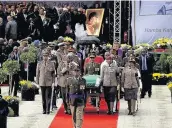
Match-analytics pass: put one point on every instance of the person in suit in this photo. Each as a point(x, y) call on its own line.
point(45, 77)
point(11, 29)
point(130, 83)
point(109, 77)
point(76, 97)
point(92, 68)
point(146, 62)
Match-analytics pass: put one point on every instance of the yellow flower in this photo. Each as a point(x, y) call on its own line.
point(169, 85)
point(26, 83)
point(169, 75)
point(23, 82)
point(156, 74)
point(9, 97)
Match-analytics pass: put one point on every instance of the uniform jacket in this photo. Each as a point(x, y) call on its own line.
point(45, 74)
point(60, 55)
point(75, 91)
point(64, 71)
point(109, 75)
point(129, 77)
point(92, 68)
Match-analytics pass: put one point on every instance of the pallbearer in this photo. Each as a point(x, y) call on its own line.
point(76, 97)
point(45, 77)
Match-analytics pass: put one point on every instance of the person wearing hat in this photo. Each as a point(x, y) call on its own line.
point(130, 84)
point(76, 97)
point(60, 52)
point(76, 59)
point(65, 70)
point(92, 68)
point(110, 79)
point(45, 77)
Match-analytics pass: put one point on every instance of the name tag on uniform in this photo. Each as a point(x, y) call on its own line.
point(97, 69)
point(82, 87)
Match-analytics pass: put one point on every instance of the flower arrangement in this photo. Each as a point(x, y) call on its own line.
point(157, 76)
point(125, 46)
point(8, 98)
point(26, 84)
point(162, 42)
point(68, 39)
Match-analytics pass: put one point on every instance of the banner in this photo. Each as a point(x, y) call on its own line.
point(151, 20)
point(94, 21)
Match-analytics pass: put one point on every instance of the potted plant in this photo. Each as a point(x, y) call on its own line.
point(13, 105)
point(3, 112)
point(11, 67)
point(3, 77)
point(27, 90)
point(28, 57)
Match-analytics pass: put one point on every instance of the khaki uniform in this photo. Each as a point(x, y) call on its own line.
point(130, 83)
point(60, 55)
point(92, 68)
point(65, 71)
point(45, 76)
point(119, 61)
point(76, 99)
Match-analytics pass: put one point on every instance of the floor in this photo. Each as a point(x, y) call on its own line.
point(154, 112)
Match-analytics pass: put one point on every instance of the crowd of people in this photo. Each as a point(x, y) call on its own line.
point(63, 65)
point(22, 20)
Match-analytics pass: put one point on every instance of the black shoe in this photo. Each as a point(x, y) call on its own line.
point(111, 112)
point(48, 112)
point(142, 96)
point(44, 112)
point(149, 95)
point(129, 113)
point(133, 113)
point(54, 106)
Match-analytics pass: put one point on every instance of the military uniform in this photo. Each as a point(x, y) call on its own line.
point(92, 67)
point(65, 70)
point(45, 77)
point(76, 99)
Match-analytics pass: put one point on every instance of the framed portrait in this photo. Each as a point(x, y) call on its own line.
point(94, 21)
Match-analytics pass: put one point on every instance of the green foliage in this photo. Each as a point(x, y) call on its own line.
point(3, 75)
point(33, 49)
point(11, 67)
point(29, 57)
point(169, 60)
point(163, 62)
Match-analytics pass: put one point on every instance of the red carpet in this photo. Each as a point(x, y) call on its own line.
point(91, 118)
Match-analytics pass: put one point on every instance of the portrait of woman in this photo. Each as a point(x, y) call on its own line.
point(94, 21)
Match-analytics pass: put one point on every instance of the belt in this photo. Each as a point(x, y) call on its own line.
point(76, 95)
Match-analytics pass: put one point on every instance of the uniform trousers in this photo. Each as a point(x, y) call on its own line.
point(63, 92)
point(147, 83)
point(46, 97)
point(77, 115)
